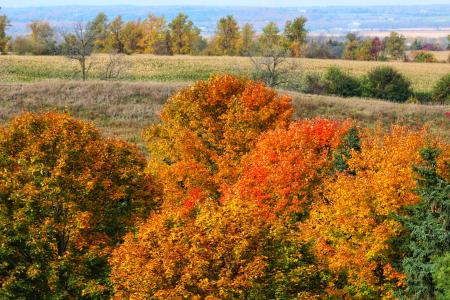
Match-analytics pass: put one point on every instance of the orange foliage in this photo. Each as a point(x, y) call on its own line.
point(287, 166)
point(225, 252)
point(352, 224)
point(205, 131)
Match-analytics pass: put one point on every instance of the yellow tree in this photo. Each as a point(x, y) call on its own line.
point(352, 223)
point(227, 36)
point(4, 39)
point(185, 37)
point(155, 36)
point(67, 196)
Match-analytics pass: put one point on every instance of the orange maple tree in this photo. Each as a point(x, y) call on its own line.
point(288, 165)
point(352, 224)
point(205, 131)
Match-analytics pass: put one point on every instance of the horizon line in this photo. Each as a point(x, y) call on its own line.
point(224, 6)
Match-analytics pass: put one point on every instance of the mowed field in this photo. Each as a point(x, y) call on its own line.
point(190, 68)
point(124, 109)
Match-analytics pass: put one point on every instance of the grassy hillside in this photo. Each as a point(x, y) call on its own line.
point(190, 68)
point(123, 109)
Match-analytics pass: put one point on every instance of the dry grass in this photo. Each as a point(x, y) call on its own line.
point(118, 109)
point(123, 110)
point(441, 55)
point(369, 112)
point(190, 68)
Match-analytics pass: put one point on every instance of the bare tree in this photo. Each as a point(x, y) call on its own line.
point(273, 66)
point(78, 45)
point(115, 66)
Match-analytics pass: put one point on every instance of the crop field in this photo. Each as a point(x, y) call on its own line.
point(21, 69)
point(123, 110)
point(441, 55)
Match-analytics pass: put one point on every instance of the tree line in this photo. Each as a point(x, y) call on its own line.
point(235, 201)
point(155, 35)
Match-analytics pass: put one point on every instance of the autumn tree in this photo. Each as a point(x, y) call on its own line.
point(185, 37)
point(226, 251)
point(4, 39)
point(205, 131)
point(247, 45)
point(270, 38)
point(351, 46)
point(395, 45)
point(226, 39)
point(352, 222)
point(376, 48)
point(287, 166)
point(364, 50)
point(295, 33)
point(132, 34)
point(43, 39)
point(115, 40)
point(99, 29)
point(428, 227)
point(155, 36)
point(67, 196)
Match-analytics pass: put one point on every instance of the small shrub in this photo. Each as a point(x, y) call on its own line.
point(386, 83)
point(339, 83)
point(441, 91)
point(312, 84)
point(423, 56)
point(422, 97)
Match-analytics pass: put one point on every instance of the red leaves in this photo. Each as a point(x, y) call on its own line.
point(281, 173)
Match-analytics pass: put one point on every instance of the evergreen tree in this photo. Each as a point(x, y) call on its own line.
point(428, 224)
point(350, 141)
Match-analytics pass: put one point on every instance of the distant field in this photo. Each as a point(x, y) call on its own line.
point(441, 55)
point(123, 110)
point(190, 68)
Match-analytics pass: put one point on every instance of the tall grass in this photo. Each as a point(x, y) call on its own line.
point(124, 109)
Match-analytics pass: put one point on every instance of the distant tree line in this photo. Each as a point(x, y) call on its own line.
point(155, 35)
point(180, 36)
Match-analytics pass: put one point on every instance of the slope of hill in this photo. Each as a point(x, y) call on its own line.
point(123, 109)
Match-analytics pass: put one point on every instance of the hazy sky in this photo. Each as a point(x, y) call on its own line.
point(24, 3)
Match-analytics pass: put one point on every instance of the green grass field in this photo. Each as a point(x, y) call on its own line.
point(124, 109)
point(190, 68)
